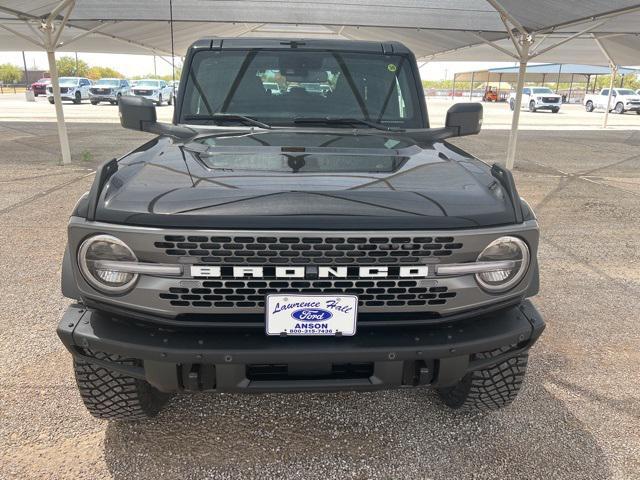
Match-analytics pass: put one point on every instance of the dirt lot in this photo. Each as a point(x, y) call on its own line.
point(578, 416)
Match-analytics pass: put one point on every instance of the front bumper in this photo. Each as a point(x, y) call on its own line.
point(547, 106)
point(103, 97)
point(632, 107)
point(226, 360)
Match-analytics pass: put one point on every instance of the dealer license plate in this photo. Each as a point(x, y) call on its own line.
point(311, 315)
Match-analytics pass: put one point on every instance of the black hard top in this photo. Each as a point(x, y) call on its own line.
point(303, 44)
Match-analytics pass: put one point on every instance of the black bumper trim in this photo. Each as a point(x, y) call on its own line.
point(449, 345)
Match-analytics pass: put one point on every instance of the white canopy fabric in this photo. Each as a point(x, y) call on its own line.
point(554, 72)
point(604, 32)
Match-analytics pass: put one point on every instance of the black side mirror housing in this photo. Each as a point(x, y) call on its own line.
point(138, 113)
point(464, 119)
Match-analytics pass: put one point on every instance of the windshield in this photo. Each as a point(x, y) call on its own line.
point(625, 91)
point(68, 81)
point(276, 87)
point(44, 80)
point(147, 83)
point(112, 82)
point(541, 90)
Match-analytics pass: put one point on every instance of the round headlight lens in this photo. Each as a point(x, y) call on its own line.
point(504, 248)
point(106, 247)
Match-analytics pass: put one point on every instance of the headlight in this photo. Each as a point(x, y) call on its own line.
point(105, 247)
point(504, 248)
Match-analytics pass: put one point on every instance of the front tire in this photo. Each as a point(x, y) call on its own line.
point(159, 102)
point(555, 110)
point(589, 106)
point(112, 395)
point(532, 106)
point(170, 102)
point(619, 108)
point(78, 98)
point(94, 102)
point(512, 105)
point(51, 100)
point(488, 389)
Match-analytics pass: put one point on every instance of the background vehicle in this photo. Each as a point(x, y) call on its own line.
point(622, 100)
point(490, 95)
point(537, 98)
point(40, 87)
point(157, 90)
point(108, 90)
point(310, 240)
point(75, 89)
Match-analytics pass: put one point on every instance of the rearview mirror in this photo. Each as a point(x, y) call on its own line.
point(464, 118)
point(138, 113)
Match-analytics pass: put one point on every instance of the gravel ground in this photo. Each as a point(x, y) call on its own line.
point(578, 416)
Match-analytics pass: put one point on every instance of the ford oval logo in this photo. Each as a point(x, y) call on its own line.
point(311, 314)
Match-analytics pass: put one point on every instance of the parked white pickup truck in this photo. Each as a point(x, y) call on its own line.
point(537, 98)
point(622, 100)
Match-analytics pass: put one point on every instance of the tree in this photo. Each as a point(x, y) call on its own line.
point(96, 73)
point(67, 67)
point(9, 73)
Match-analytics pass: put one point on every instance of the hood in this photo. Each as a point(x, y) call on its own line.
point(307, 180)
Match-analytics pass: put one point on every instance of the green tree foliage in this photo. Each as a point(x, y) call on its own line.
point(96, 73)
point(67, 67)
point(9, 73)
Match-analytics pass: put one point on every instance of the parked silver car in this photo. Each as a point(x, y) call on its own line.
point(154, 89)
point(108, 90)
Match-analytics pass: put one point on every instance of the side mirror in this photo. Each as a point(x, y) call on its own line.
point(464, 119)
point(137, 113)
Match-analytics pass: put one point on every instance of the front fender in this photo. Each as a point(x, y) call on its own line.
point(68, 280)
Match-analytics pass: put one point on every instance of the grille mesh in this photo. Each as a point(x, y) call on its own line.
point(245, 293)
point(249, 250)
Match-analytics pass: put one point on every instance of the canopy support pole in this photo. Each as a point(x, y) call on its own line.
point(515, 119)
point(558, 80)
point(453, 88)
point(605, 120)
point(499, 83)
point(471, 87)
point(570, 88)
point(52, 35)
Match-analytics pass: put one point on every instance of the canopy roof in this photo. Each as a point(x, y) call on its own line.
point(549, 72)
point(453, 29)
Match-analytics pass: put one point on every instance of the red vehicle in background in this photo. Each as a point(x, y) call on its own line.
point(40, 87)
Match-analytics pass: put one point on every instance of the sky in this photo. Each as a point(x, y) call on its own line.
point(133, 65)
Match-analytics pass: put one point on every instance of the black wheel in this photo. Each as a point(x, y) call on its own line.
point(619, 108)
point(637, 112)
point(118, 97)
point(589, 106)
point(51, 100)
point(555, 110)
point(78, 98)
point(94, 102)
point(512, 105)
point(115, 396)
point(170, 102)
point(159, 102)
point(532, 106)
point(35, 94)
point(488, 389)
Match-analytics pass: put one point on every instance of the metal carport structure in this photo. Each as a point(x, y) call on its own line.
point(548, 72)
point(484, 29)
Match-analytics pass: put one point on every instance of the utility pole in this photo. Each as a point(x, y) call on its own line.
point(26, 75)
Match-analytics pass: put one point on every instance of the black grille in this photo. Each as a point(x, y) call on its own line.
point(249, 250)
point(250, 293)
point(64, 89)
point(550, 99)
point(142, 92)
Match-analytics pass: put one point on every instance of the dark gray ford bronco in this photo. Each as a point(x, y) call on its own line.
point(299, 227)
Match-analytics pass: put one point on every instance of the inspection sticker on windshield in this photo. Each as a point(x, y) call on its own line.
point(311, 315)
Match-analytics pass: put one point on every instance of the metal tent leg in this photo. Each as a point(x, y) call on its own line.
point(605, 120)
point(55, 85)
point(515, 119)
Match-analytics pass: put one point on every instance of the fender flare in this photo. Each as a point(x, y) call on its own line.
point(67, 277)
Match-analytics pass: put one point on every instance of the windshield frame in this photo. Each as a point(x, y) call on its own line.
point(408, 59)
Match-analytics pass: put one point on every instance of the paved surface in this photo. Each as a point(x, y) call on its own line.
point(578, 416)
point(496, 116)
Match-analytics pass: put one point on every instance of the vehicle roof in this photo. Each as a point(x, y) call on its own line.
point(301, 43)
point(111, 78)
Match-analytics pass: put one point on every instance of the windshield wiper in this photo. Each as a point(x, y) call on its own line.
point(345, 121)
point(232, 117)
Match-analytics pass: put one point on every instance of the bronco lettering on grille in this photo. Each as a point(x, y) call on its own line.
point(408, 271)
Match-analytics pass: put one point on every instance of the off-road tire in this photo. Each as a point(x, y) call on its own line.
point(112, 395)
point(619, 109)
point(589, 106)
point(488, 389)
